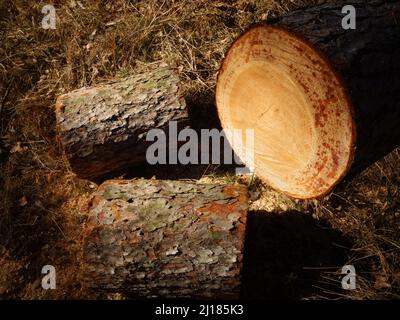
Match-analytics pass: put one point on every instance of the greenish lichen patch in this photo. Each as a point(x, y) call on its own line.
point(178, 236)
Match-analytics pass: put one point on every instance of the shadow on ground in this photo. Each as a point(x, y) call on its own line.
point(286, 255)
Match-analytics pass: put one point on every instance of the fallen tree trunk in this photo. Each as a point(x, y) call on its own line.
point(281, 79)
point(103, 129)
point(160, 238)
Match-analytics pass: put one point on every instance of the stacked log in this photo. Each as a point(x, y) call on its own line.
point(103, 128)
point(161, 238)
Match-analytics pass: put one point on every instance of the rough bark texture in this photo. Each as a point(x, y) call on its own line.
point(103, 129)
point(160, 238)
point(368, 59)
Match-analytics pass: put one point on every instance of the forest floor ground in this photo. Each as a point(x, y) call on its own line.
point(294, 249)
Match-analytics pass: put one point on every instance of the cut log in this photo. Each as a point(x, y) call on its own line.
point(103, 129)
point(161, 238)
point(282, 80)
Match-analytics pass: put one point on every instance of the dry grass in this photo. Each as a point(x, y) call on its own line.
point(41, 200)
point(367, 210)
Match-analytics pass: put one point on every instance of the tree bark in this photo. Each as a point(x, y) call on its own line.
point(103, 129)
point(368, 59)
point(161, 238)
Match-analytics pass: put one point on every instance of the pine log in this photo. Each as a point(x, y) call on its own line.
point(103, 129)
point(161, 238)
point(321, 99)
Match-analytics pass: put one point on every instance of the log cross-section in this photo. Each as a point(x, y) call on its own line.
point(161, 238)
point(103, 128)
point(317, 95)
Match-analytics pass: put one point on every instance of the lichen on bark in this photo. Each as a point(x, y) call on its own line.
point(165, 238)
point(103, 128)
